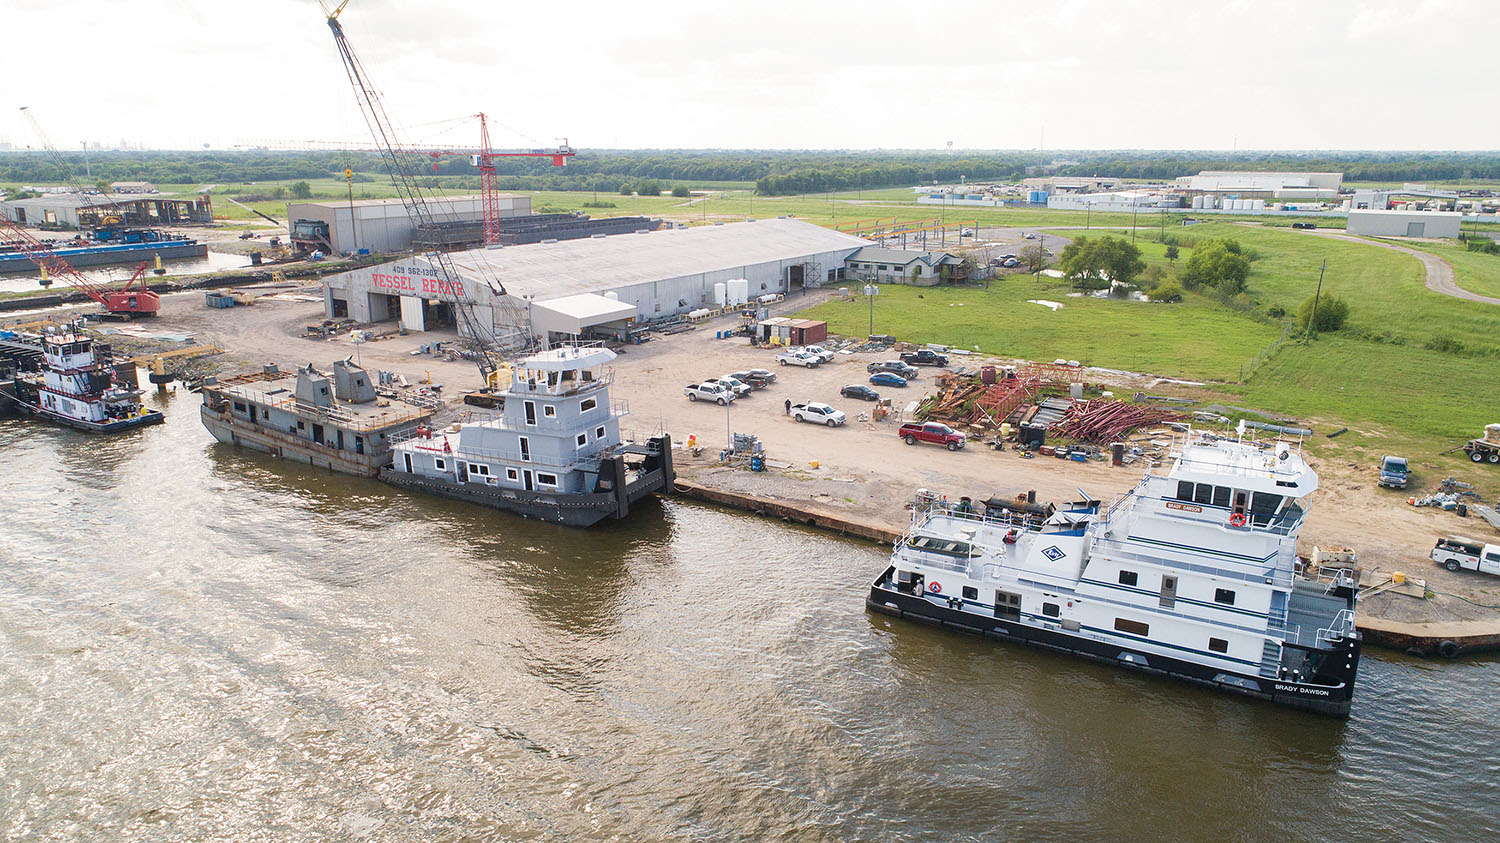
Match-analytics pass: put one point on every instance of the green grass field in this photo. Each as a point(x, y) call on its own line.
point(1377, 377)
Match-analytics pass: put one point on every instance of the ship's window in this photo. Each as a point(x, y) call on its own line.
point(971, 593)
point(440, 464)
point(1051, 610)
point(587, 404)
point(549, 411)
point(510, 474)
point(301, 426)
point(1184, 490)
point(546, 479)
point(583, 439)
point(1218, 645)
point(1221, 496)
point(1128, 578)
point(238, 407)
point(1132, 627)
point(598, 433)
point(1224, 595)
point(1203, 493)
point(1264, 504)
point(479, 469)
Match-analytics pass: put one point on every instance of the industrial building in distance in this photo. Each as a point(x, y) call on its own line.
point(597, 285)
point(69, 210)
point(383, 226)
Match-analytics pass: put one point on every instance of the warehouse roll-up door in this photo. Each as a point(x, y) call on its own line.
point(1415, 229)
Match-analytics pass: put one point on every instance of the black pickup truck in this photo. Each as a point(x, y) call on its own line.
point(924, 357)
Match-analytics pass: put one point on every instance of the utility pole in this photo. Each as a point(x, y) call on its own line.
point(353, 223)
point(1135, 207)
point(1312, 319)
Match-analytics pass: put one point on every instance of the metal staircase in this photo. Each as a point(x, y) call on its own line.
point(1270, 659)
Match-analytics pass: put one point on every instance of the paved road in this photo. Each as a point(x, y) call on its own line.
point(1438, 272)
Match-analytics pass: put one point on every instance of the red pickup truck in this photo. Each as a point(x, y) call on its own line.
point(935, 432)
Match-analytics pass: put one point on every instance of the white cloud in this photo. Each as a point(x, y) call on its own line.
point(878, 73)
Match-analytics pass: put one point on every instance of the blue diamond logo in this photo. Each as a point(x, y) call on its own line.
point(1054, 553)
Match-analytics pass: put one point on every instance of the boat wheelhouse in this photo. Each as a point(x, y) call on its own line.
point(75, 385)
point(333, 420)
point(555, 454)
point(1192, 574)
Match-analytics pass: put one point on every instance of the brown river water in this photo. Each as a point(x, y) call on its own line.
point(202, 644)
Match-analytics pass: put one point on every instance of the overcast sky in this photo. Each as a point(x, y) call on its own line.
point(800, 74)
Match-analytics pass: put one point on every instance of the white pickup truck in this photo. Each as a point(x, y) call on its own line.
point(798, 358)
point(709, 391)
point(1454, 553)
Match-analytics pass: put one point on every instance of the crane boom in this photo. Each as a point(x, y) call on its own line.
point(416, 202)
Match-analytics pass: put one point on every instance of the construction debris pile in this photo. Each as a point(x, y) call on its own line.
point(1103, 420)
point(998, 395)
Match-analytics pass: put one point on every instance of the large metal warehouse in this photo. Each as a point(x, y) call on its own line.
point(382, 224)
point(1405, 223)
point(556, 287)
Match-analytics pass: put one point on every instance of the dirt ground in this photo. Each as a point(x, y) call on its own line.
point(860, 470)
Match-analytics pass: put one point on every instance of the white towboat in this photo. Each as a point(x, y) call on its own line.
point(1192, 574)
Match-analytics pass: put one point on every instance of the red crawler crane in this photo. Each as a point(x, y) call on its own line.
point(130, 300)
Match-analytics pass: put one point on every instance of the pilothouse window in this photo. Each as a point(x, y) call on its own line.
point(1128, 578)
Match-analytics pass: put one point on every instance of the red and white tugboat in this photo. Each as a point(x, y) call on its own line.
point(74, 387)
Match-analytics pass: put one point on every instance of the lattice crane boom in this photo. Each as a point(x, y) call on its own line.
point(382, 130)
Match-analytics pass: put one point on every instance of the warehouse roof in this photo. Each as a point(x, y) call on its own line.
point(901, 256)
point(588, 265)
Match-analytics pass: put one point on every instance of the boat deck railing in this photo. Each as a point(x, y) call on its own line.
point(333, 413)
point(1272, 573)
point(1338, 630)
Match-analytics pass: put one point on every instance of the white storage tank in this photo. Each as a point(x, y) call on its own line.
point(1198, 203)
point(699, 313)
point(739, 291)
point(721, 295)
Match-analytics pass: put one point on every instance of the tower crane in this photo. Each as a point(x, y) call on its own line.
point(488, 346)
point(129, 300)
point(481, 158)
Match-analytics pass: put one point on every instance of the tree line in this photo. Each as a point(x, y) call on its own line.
point(774, 172)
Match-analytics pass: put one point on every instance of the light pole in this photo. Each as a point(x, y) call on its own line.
point(871, 291)
point(1134, 208)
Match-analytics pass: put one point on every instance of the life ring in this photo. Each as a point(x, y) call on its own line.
point(1448, 649)
point(1237, 519)
point(935, 588)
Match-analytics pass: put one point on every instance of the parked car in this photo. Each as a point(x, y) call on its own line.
point(924, 357)
point(798, 358)
point(818, 351)
point(935, 432)
point(1008, 262)
point(894, 367)
point(1454, 553)
point(708, 391)
point(733, 384)
point(887, 379)
point(813, 411)
point(757, 378)
point(860, 391)
point(1394, 472)
point(1029, 236)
